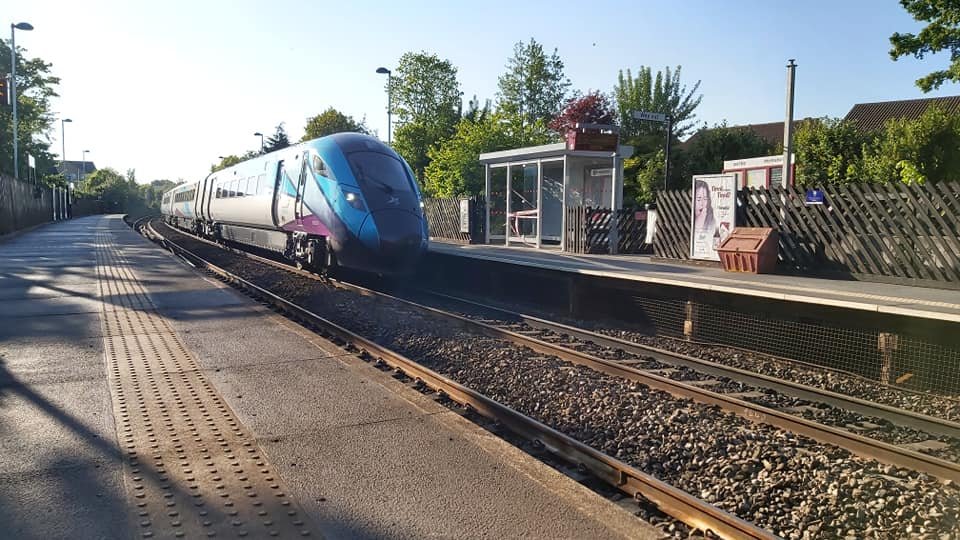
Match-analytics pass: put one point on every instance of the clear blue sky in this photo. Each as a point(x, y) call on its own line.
point(166, 87)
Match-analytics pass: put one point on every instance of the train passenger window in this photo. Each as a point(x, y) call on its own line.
point(218, 192)
point(261, 184)
point(233, 188)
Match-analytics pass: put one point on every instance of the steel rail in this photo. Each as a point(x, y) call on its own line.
point(852, 442)
point(672, 501)
point(921, 422)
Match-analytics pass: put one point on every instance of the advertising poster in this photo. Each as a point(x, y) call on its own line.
point(713, 211)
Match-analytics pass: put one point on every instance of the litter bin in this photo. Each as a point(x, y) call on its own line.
point(750, 249)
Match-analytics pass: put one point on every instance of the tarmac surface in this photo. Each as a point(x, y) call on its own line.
point(139, 398)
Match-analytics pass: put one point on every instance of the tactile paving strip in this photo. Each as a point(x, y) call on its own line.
point(190, 467)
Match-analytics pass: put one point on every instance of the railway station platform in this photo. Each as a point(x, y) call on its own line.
point(139, 398)
point(878, 298)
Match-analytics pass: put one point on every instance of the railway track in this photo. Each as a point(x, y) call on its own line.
point(657, 368)
point(528, 332)
point(783, 395)
point(674, 502)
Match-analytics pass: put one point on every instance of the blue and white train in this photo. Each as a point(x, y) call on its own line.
point(343, 200)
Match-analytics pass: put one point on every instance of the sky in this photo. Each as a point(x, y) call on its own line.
point(167, 87)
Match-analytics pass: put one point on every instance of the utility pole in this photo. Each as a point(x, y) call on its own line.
point(788, 125)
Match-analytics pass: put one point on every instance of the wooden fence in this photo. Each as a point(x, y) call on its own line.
point(672, 238)
point(444, 220)
point(588, 230)
point(889, 232)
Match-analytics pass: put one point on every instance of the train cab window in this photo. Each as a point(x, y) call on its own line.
point(319, 167)
point(380, 170)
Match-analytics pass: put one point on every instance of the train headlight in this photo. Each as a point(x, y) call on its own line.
point(354, 199)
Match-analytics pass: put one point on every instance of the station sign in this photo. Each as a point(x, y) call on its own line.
point(464, 215)
point(814, 196)
point(652, 116)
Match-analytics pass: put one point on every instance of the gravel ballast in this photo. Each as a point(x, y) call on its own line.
point(789, 484)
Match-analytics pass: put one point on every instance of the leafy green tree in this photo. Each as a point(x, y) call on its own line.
point(661, 93)
point(474, 112)
point(35, 91)
point(664, 93)
point(329, 122)
point(426, 102)
point(915, 151)
point(713, 146)
point(110, 187)
point(828, 151)
point(942, 33)
point(152, 193)
point(231, 160)
point(534, 86)
point(278, 140)
point(455, 170)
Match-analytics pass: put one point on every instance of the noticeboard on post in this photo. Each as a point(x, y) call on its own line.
point(713, 214)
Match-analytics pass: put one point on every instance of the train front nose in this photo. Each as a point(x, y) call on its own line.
point(400, 239)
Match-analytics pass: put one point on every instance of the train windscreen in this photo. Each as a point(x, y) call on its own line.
point(383, 180)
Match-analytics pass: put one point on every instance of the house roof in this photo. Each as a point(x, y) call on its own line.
point(872, 116)
point(73, 167)
point(771, 132)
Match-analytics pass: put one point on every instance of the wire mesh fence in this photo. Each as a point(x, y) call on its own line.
point(888, 358)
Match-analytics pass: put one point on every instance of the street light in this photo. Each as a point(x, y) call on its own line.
point(83, 169)
point(26, 27)
point(258, 134)
point(63, 143)
point(389, 74)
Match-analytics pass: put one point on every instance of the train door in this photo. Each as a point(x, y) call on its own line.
point(301, 187)
point(284, 201)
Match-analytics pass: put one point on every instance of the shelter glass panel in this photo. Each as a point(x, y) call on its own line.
point(552, 201)
point(498, 203)
point(522, 219)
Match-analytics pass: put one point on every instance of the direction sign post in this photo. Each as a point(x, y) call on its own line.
point(663, 119)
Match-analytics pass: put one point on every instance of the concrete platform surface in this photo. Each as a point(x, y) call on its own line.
point(130, 384)
point(922, 302)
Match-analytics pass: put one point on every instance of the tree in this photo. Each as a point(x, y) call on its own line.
point(109, 186)
point(828, 151)
point(231, 160)
point(329, 122)
point(35, 90)
point(152, 193)
point(426, 102)
point(713, 146)
point(593, 108)
point(915, 151)
point(663, 93)
point(278, 140)
point(941, 34)
point(534, 86)
point(455, 169)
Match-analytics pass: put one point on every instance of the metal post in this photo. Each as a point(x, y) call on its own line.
point(506, 221)
point(666, 158)
point(13, 95)
point(539, 202)
point(390, 108)
point(486, 205)
point(788, 125)
point(613, 237)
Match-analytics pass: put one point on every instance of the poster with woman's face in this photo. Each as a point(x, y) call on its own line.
point(712, 214)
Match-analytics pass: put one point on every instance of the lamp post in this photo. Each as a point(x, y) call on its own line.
point(26, 27)
point(63, 143)
point(83, 167)
point(258, 134)
point(389, 74)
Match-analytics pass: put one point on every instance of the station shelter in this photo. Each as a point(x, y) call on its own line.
point(528, 190)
